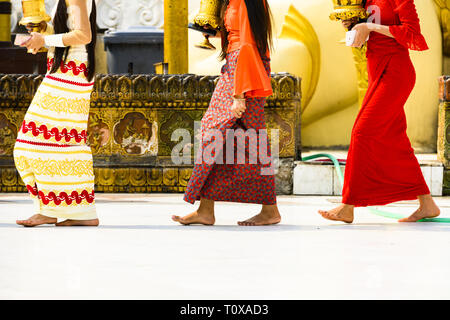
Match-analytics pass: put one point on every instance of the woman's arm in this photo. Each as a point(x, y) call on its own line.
point(251, 78)
point(407, 33)
point(80, 35)
point(363, 31)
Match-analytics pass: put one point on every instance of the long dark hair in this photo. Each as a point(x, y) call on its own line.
point(260, 19)
point(60, 25)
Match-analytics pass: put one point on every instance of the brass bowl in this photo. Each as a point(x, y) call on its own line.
point(348, 9)
point(34, 12)
point(208, 16)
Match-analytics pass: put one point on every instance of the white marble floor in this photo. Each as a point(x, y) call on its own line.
point(138, 253)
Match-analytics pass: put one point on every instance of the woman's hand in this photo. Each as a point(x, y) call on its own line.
point(238, 107)
point(35, 43)
point(362, 33)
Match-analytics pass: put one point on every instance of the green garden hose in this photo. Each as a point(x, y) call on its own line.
point(371, 209)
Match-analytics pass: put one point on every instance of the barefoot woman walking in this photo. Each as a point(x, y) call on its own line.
point(238, 102)
point(381, 165)
point(51, 154)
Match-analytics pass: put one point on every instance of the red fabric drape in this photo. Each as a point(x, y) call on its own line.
point(251, 77)
point(408, 33)
point(381, 165)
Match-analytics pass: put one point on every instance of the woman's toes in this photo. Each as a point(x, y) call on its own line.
point(177, 219)
point(409, 219)
point(23, 222)
point(194, 218)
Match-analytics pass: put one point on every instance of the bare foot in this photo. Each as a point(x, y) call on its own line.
point(342, 213)
point(196, 218)
point(36, 220)
point(269, 215)
point(427, 210)
point(204, 214)
point(78, 223)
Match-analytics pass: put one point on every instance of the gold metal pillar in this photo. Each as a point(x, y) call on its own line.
point(347, 10)
point(176, 35)
point(359, 55)
point(5, 20)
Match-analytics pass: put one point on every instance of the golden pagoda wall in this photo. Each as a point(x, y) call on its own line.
point(131, 122)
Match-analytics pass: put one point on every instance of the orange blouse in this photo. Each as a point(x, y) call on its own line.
point(250, 77)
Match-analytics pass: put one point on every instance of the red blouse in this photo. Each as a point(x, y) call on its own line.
point(250, 77)
point(403, 21)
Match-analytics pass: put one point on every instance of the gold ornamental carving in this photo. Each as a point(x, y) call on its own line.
point(348, 9)
point(130, 123)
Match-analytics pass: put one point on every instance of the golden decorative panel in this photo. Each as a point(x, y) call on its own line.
point(131, 122)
